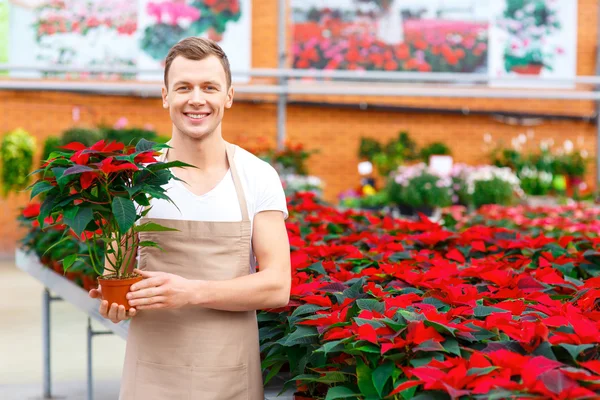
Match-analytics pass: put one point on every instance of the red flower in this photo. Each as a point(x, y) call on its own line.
point(32, 210)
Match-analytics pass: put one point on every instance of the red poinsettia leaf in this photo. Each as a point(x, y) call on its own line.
point(478, 245)
point(87, 178)
point(405, 385)
point(593, 366)
point(74, 146)
point(368, 333)
point(322, 301)
point(80, 157)
point(145, 157)
point(99, 146)
point(455, 255)
point(113, 146)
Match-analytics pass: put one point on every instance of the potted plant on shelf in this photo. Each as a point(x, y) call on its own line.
point(100, 193)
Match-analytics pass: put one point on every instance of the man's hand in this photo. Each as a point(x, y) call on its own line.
point(116, 313)
point(160, 290)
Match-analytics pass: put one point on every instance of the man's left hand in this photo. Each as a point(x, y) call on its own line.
point(159, 290)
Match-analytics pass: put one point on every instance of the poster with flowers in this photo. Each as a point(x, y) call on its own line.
point(162, 23)
point(534, 38)
point(498, 38)
point(391, 35)
point(75, 33)
point(4, 26)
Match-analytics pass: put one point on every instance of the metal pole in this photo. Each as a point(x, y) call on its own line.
point(46, 343)
point(282, 55)
point(90, 334)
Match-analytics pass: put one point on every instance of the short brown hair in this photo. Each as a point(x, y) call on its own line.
point(197, 48)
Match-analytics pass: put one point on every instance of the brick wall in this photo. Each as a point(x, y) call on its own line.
point(335, 132)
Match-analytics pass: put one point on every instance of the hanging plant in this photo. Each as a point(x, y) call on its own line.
point(16, 157)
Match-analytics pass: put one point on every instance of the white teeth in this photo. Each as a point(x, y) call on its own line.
point(197, 116)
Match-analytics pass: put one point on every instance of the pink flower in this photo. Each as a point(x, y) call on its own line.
point(121, 123)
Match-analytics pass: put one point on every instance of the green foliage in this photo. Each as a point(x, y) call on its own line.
point(86, 136)
point(52, 143)
point(16, 158)
point(493, 191)
point(436, 148)
point(128, 136)
point(158, 39)
point(388, 157)
point(424, 190)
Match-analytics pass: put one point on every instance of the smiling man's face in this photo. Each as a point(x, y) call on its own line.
point(197, 95)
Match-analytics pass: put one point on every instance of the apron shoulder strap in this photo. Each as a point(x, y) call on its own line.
point(230, 149)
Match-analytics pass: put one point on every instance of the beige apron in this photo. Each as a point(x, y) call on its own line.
point(195, 353)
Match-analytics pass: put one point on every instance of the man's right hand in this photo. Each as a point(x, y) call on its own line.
point(116, 313)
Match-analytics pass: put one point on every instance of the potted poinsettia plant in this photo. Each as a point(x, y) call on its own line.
point(100, 193)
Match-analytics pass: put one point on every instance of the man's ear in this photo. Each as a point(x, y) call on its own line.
point(229, 101)
point(164, 97)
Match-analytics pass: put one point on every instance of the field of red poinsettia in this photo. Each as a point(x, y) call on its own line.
point(385, 308)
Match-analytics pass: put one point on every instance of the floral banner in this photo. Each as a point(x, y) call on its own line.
point(164, 23)
point(120, 33)
point(436, 36)
point(534, 38)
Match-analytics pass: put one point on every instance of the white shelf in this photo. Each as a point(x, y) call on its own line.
point(67, 290)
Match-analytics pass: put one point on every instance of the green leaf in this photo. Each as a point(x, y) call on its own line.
point(340, 392)
point(69, 260)
point(318, 268)
point(365, 379)
point(371, 305)
point(83, 216)
point(331, 377)
point(46, 209)
point(152, 227)
point(144, 145)
point(148, 243)
point(171, 164)
point(307, 309)
point(302, 335)
point(141, 199)
point(484, 311)
point(273, 371)
point(575, 350)
point(124, 212)
point(404, 255)
point(331, 347)
point(381, 375)
point(451, 346)
point(429, 345)
point(441, 328)
point(40, 187)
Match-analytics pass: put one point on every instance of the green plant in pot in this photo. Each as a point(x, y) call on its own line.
point(16, 158)
point(100, 193)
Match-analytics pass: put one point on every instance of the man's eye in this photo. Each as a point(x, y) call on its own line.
point(182, 88)
point(211, 88)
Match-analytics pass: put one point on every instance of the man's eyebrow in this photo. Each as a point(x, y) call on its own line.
point(209, 82)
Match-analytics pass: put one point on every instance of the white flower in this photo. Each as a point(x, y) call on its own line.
point(487, 138)
point(568, 145)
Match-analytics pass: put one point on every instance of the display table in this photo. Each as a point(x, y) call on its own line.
point(64, 289)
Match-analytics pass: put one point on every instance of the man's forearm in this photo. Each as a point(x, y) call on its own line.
point(261, 290)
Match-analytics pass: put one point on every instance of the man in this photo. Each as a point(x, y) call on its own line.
point(193, 332)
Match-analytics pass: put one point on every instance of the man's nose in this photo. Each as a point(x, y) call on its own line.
point(197, 97)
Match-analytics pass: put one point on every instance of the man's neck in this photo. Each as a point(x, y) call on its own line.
point(205, 154)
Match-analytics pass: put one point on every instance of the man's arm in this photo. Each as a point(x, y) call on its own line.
point(267, 288)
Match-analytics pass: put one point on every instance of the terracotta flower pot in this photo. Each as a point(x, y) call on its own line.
point(115, 290)
point(530, 69)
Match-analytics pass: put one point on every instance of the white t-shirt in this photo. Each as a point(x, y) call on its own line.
point(262, 188)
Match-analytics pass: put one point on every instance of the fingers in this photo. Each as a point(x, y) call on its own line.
point(149, 282)
point(143, 293)
point(147, 301)
point(116, 313)
point(146, 274)
point(152, 306)
point(95, 294)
